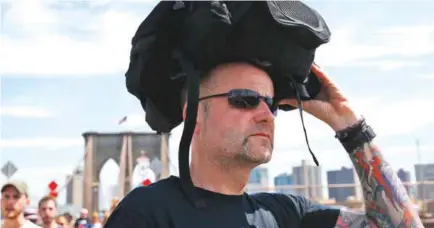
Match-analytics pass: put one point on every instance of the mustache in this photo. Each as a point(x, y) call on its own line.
point(262, 129)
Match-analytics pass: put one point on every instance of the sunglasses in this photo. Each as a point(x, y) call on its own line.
point(245, 99)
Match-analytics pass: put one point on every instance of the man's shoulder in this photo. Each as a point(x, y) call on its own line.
point(152, 195)
point(146, 206)
point(285, 202)
point(27, 224)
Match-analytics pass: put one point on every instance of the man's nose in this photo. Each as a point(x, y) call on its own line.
point(263, 113)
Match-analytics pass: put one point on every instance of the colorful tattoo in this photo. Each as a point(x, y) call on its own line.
point(386, 201)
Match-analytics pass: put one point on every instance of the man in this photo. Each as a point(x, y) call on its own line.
point(15, 199)
point(47, 209)
point(231, 138)
point(83, 220)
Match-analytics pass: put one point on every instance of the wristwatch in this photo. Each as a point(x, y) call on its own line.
point(356, 135)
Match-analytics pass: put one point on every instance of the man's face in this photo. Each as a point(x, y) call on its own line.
point(13, 203)
point(84, 214)
point(234, 131)
point(48, 211)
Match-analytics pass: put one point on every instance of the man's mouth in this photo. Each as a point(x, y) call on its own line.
point(262, 135)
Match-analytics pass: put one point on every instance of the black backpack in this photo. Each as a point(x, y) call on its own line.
point(180, 41)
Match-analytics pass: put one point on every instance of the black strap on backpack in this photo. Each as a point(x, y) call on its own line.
point(187, 134)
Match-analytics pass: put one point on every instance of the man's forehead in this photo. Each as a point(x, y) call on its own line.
point(241, 76)
point(48, 204)
point(10, 189)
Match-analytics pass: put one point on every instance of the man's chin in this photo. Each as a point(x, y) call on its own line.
point(47, 221)
point(262, 158)
point(10, 215)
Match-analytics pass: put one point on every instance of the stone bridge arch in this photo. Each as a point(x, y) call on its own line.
point(124, 148)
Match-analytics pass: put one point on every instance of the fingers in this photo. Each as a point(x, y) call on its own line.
point(325, 80)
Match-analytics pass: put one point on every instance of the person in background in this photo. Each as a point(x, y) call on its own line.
point(106, 214)
point(114, 204)
point(96, 222)
point(69, 219)
point(47, 209)
point(14, 200)
point(62, 222)
point(83, 220)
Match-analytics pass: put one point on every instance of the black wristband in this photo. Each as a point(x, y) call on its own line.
point(355, 136)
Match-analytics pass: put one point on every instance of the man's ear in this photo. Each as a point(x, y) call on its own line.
point(27, 201)
point(184, 116)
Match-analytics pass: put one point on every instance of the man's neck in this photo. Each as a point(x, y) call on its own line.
point(52, 224)
point(14, 223)
point(219, 179)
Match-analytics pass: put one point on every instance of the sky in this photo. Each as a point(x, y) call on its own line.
point(62, 66)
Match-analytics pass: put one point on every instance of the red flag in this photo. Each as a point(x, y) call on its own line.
point(146, 182)
point(53, 194)
point(121, 121)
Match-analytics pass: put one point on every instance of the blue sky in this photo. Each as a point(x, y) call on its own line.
point(62, 73)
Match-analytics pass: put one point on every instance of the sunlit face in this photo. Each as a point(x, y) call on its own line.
point(238, 136)
point(48, 211)
point(13, 203)
point(61, 221)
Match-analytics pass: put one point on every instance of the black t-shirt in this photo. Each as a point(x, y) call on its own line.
point(165, 205)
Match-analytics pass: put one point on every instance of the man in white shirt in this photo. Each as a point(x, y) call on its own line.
point(47, 210)
point(15, 198)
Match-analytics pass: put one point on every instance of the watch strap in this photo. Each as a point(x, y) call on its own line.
point(356, 135)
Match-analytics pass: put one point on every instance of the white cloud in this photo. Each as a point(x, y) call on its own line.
point(388, 65)
point(30, 13)
point(50, 53)
point(427, 76)
point(400, 117)
point(41, 143)
point(345, 49)
point(26, 112)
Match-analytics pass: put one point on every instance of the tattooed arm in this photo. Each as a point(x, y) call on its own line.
point(386, 201)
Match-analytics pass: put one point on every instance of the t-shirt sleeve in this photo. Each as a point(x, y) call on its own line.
point(297, 211)
point(131, 213)
point(315, 214)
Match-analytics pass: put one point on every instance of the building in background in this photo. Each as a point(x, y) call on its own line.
point(405, 177)
point(74, 189)
point(283, 183)
point(342, 176)
point(308, 176)
point(258, 180)
point(425, 172)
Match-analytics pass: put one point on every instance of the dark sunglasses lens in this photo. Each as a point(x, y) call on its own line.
point(248, 99)
point(244, 101)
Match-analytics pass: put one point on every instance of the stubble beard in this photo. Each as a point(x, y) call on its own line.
point(245, 156)
point(234, 154)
